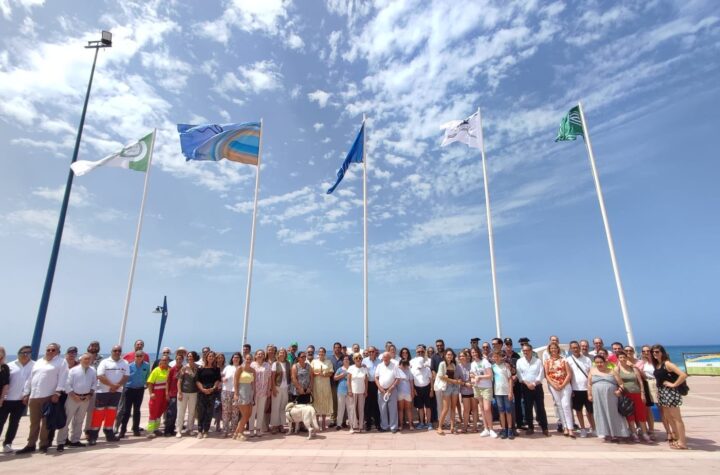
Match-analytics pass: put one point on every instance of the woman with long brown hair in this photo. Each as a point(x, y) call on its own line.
point(670, 379)
point(244, 395)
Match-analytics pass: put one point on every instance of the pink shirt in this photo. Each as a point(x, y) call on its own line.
point(262, 378)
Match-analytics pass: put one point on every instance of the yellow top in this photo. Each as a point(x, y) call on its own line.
point(246, 377)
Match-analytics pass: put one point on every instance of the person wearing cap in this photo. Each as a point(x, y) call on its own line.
point(112, 374)
point(133, 394)
point(81, 384)
point(292, 352)
point(93, 349)
point(138, 346)
point(71, 357)
point(475, 343)
point(511, 358)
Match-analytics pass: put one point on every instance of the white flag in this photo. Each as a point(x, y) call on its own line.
point(468, 131)
point(135, 156)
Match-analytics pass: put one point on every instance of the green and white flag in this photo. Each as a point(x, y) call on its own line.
point(135, 156)
point(570, 126)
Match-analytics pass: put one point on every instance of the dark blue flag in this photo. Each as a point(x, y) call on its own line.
point(355, 155)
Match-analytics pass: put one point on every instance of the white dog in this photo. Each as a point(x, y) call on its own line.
point(305, 413)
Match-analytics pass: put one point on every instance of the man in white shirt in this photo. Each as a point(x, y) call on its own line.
point(20, 371)
point(530, 372)
point(46, 383)
point(81, 383)
point(422, 375)
point(372, 409)
point(580, 366)
point(598, 345)
point(386, 378)
point(112, 374)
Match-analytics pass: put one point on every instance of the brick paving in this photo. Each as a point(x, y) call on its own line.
point(405, 452)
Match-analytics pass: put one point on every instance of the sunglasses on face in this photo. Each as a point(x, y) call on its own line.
point(24, 353)
point(51, 350)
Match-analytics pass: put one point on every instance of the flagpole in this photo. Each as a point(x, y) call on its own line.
point(365, 244)
point(491, 240)
point(252, 240)
point(608, 234)
point(123, 325)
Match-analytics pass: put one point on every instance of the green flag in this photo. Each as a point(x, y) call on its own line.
point(570, 126)
point(134, 157)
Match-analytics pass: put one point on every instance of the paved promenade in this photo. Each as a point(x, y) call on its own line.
point(404, 452)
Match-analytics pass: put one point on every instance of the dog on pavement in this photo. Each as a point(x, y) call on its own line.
point(305, 413)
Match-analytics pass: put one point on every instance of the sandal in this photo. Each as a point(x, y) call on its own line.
point(440, 432)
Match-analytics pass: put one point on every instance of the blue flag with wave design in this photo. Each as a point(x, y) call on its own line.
point(214, 142)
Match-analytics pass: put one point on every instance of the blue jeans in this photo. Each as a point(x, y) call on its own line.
point(504, 404)
point(388, 411)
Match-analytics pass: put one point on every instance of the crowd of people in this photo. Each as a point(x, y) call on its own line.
point(596, 392)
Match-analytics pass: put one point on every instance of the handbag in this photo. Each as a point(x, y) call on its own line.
point(683, 389)
point(626, 406)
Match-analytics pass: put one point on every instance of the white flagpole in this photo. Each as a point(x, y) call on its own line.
point(491, 240)
point(123, 325)
point(606, 223)
point(252, 241)
point(365, 243)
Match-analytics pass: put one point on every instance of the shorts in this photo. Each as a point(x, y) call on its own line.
point(669, 397)
point(451, 390)
point(504, 404)
point(422, 397)
point(404, 397)
point(486, 394)
point(107, 400)
point(466, 396)
point(580, 400)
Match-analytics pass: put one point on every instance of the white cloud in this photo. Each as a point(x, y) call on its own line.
point(79, 196)
point(41, 224)
point(334, 43)
point(294, 41)
point(319, 96)
point(258, 77)
point(317, 126)
point(270, 17)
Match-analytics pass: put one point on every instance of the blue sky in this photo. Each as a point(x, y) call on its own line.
point(647, 73)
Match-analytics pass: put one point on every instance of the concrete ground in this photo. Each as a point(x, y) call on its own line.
point(405, 452)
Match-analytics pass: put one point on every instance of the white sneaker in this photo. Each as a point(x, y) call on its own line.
point(493, 434)
point(485, 433)
point(583, 433)
point(7, 448)
point(179, 435)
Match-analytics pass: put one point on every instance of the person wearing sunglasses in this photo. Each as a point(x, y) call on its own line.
point(372, 407)
point(81, 384)
point(647, 368)
point(669, 378)
point(112, 373)
point(13, 406)
point(47, 382)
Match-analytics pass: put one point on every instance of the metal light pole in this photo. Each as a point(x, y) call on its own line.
point(163, 310)
point(104, 42)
